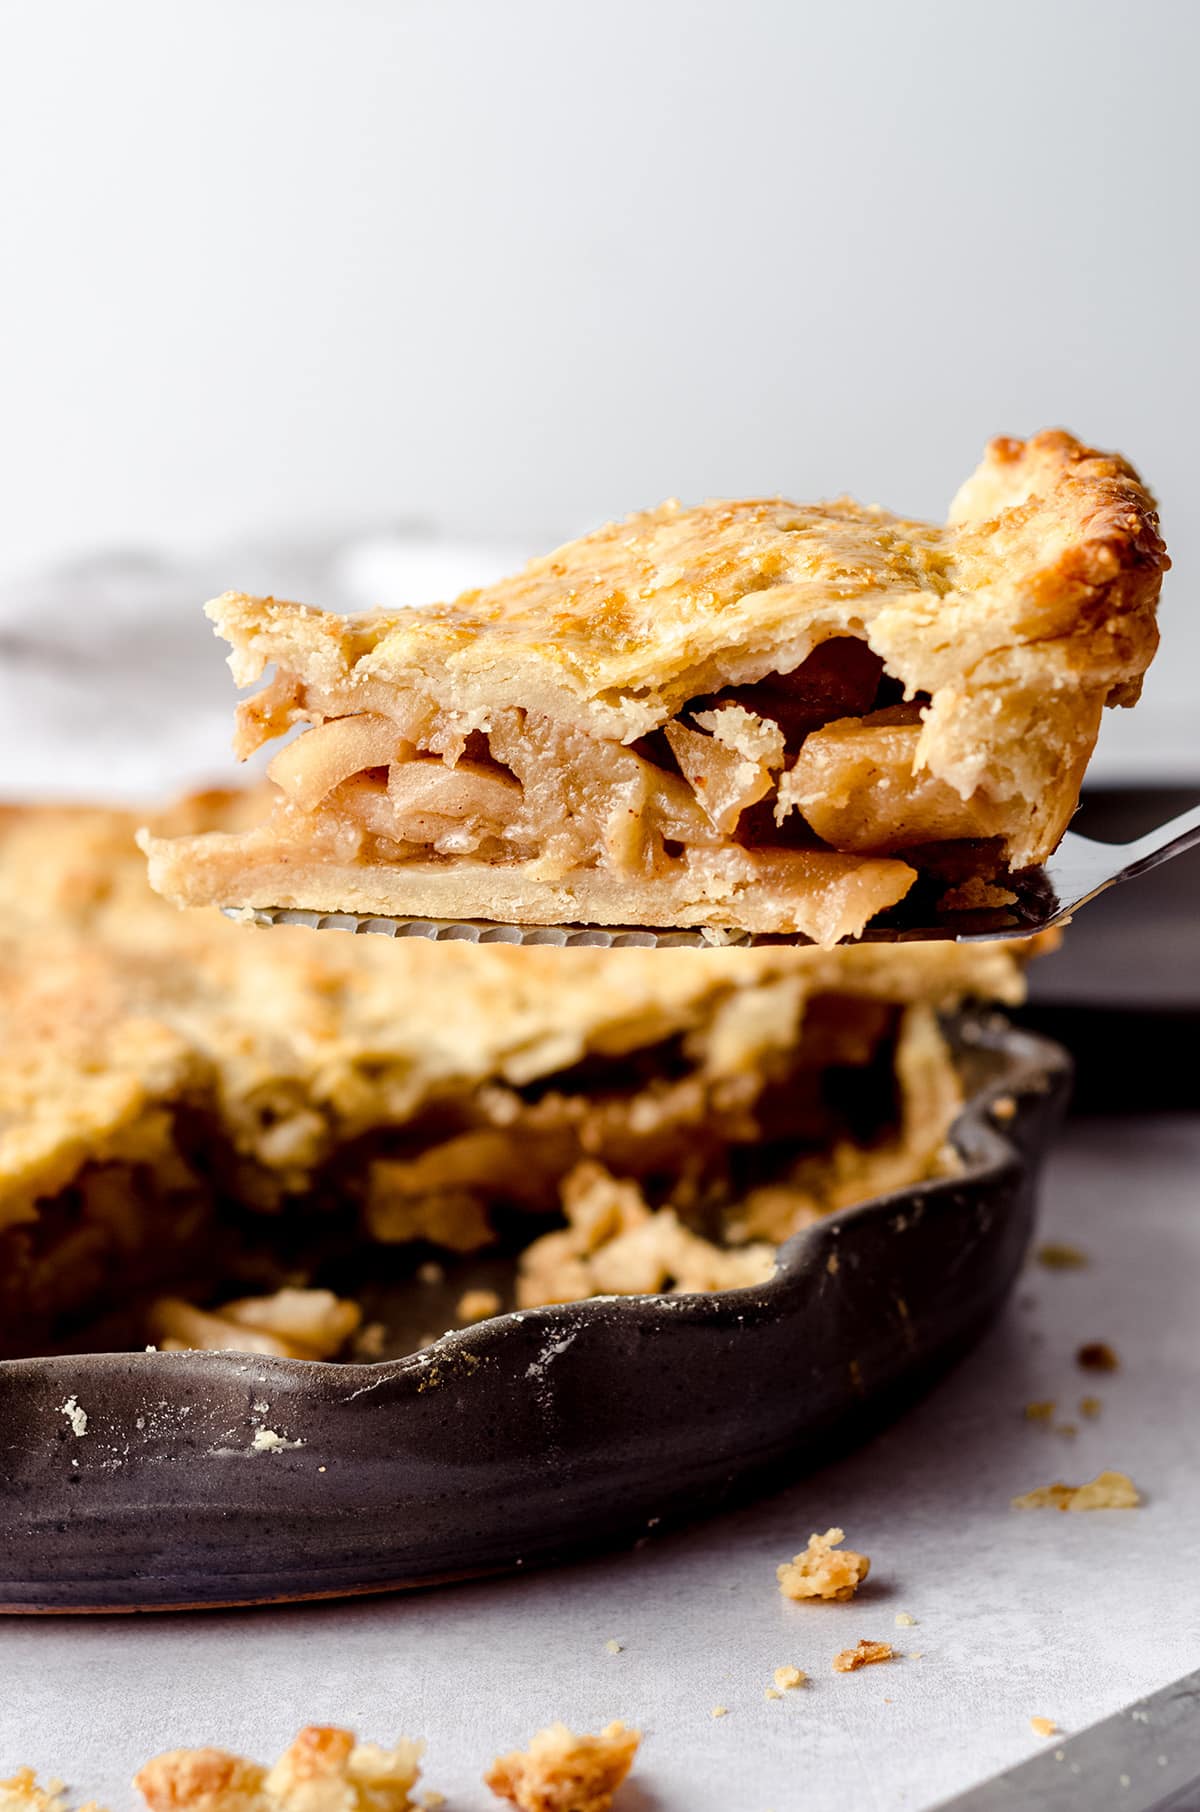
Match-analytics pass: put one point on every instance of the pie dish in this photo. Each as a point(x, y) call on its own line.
point(531, 1435)
point(191, 1111)
point(754, 715)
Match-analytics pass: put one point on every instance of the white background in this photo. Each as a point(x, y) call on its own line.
point(509, 269)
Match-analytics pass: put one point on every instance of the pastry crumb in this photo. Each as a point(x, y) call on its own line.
point(720, 1711)
point(771, 1693)
point(819, 1572)
point(1068, 1430)
point(431, 1800)
point(1040, 1412)
point(616, 1244)
point(788, 1678)
point(977, 895)
point(1057, 1255)
point(562, 1772)
point(1090, 1407)
point(1107, 1491)
point(478, 1305)
point(75, 1416)
point(612, 1646)
point(1097, 1356)
point(323, 1767)
point(22, 1792)
point(1043, 1727)
point(268, 1440)
point(863, 1654)
point(905, 1620)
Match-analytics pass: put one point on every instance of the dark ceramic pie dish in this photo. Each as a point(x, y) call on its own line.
point(219, 1478)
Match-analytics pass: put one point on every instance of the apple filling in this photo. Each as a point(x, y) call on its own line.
point(803, 789)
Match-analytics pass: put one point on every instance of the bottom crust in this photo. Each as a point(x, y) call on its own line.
point(817, 894)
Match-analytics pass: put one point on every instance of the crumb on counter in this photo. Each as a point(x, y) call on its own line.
point(562, 1772)
point(612, 1646)
point(820, 1572)
point(1043, 1727)
point(1057, 1255)
point(771, 1693)
point(1097, 1356)
point(1041, 1411)
point(1090, 1407)
point(863, 1654)
point(905, 1620)
point(477, 1305)
point(720, 1711)
point(323, 1767)
point(23, 1792)
point(1107, 1491)
point(788, 1678)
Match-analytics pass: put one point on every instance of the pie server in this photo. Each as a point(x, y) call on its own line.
point(1145, 1758)
point(1077, 872)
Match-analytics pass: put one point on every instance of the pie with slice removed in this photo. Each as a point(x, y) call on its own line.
point(754, 715)
point(193, 1114)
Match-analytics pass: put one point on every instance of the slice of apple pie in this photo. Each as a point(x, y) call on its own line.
point(753, 714)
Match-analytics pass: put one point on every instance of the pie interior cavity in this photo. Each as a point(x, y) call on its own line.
point(202, 1125)
point(749, 714)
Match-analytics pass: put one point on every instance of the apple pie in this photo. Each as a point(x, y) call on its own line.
point(758, 715)
point(204, 1129)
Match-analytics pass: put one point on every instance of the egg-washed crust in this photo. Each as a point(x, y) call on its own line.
point(1046, 573)
point(1007, 630)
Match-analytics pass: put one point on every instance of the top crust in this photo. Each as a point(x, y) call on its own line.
point(1044, 578)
